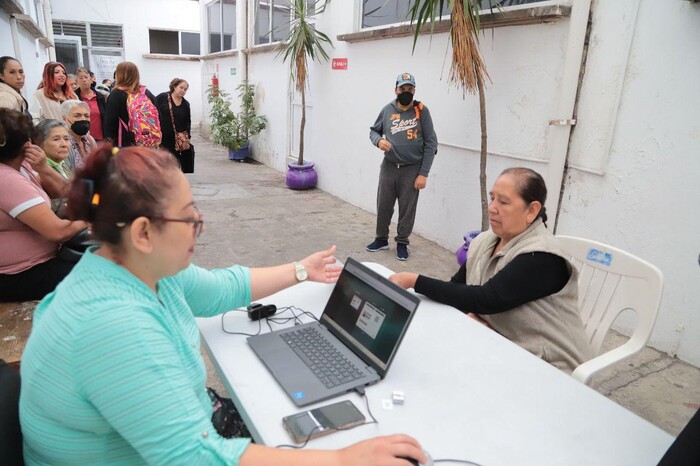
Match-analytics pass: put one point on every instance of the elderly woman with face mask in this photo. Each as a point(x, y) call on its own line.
point(76, 115)
point(517, 279)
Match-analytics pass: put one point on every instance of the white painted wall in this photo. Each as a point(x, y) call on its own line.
point(156, 74)
point(271, 82)
point(33, 55)
point(517, 116)
point(647, 200)
point(635, 150)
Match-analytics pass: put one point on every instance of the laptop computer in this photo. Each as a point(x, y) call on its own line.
point(360, 331)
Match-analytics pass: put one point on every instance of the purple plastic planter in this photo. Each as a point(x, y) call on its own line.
point(301, 176)
point(461, 253)
point(240, 154)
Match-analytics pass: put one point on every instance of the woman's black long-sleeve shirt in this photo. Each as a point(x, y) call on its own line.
point(527, 277)
point(183, 120)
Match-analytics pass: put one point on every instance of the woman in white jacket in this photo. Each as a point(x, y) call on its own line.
point(11, 84)
point(53, 90)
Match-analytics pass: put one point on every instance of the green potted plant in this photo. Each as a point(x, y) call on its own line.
point(230, 129)
point(303, 41)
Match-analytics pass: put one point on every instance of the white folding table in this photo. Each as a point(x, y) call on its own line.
point(469, 394)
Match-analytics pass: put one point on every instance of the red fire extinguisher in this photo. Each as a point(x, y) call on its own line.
point(215, 85)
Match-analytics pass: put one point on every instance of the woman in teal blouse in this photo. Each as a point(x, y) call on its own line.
point(112, 371)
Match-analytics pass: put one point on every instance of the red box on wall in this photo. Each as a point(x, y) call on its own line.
point(339, 64)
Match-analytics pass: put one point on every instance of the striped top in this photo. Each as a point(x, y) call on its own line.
point(112, 373)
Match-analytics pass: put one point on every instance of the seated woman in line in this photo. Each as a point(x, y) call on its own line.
point(517, 278)
point(112, 371)
point(52, 137)
point(76, 114)
point(30, 232)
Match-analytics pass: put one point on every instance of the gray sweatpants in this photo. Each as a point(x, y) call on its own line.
point(397, 183)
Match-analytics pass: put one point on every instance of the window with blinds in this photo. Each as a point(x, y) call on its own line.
point(61, 28)
point(100, 49)
point(106, 35)
point(91, 35)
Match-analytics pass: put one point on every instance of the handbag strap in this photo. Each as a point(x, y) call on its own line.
point(172, 117)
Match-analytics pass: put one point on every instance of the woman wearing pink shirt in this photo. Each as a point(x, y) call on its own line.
point(30, 233)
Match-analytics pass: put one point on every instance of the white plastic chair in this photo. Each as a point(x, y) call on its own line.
point(610, 282)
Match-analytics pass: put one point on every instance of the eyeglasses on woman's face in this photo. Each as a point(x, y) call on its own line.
point(197, 223)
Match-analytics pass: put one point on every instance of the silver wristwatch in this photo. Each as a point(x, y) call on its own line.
point(300, 272)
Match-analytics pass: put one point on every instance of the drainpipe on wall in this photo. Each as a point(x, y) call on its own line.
point(565, 172)
point(15, 37)
point(48, 27)
point(562, 126)
point(247, 44)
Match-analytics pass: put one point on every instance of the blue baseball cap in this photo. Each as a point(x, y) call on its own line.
point(405, 78)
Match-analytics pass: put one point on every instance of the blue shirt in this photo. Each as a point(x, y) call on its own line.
point(112, 372)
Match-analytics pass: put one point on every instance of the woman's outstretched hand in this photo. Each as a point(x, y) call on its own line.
point(404, 279)
point(318, 266)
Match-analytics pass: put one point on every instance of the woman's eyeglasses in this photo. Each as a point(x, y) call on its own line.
point(197, 224)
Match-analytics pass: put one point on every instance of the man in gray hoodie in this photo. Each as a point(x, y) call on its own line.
point(404, 132)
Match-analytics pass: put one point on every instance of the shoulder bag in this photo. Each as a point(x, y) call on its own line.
point(182, 141)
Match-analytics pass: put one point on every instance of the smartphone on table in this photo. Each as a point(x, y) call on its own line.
point(322, 421)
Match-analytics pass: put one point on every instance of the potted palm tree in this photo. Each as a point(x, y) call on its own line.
point(468, 69)
point(303, 41)
point(230, 129)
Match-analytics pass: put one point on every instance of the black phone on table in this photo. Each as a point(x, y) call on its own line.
point(322, 421)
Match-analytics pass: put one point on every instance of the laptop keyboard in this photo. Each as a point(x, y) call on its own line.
point(329, 365)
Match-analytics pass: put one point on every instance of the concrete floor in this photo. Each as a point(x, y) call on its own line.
point(253, 219)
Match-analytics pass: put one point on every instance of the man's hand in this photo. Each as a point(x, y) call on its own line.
point(421, 181)
point(384, 145)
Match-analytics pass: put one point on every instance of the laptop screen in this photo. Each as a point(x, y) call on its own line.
point(369, 314)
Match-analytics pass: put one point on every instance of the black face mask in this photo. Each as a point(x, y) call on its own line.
point(80, 127)
point(405, 97)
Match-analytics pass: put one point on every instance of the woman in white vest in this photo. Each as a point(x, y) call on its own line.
point(517, 279)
